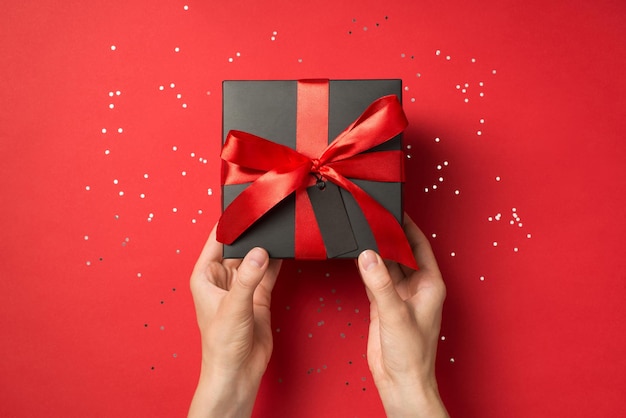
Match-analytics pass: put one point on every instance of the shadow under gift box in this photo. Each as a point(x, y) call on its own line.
point(269, 109)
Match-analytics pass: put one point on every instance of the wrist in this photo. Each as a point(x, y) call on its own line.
point(218, 396)
point(412, 400)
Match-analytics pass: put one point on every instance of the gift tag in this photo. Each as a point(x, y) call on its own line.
point(332, 219)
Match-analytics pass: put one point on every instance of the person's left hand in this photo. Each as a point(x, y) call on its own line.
point(232, 300)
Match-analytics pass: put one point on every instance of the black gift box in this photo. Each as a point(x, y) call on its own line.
point(268, 109)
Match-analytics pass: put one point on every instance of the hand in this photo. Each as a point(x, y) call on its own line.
point(405, 320)
point(232, 300)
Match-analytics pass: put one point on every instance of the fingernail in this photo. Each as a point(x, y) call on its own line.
point(257, 257)
point(368, 260)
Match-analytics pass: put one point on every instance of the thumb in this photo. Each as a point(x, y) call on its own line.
point(378, 281)
point(249, 275)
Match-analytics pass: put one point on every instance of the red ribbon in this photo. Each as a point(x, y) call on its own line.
point(276, 171)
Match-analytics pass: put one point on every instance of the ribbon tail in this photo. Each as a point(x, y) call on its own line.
point(390, 238)
point(256, 200)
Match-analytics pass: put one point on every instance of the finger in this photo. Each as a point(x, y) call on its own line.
point(420, 245)
point(212, 251)
point(232, 263)
point(263, 294)
point(249, 275)
point(380, 285)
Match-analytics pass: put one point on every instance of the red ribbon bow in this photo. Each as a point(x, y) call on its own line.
point(276, 171)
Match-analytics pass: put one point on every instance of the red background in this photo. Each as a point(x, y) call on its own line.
point(97, 319)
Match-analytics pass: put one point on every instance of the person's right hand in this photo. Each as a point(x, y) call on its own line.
point(405, 320)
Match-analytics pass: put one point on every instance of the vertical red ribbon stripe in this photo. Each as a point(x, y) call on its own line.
point(311, 140)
